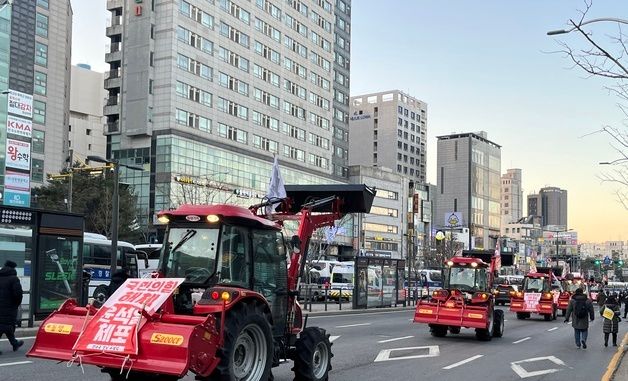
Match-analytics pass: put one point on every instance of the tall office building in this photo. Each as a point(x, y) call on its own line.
point(468, 181)
point(204, 93)
point(38, 77)
point(87, 96)
point(512, 196)
point(551, 204)
point(381, 121)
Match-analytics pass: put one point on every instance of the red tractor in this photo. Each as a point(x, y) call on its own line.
point(539, 294)
point(570, 284)
point(466, 299)
point(236, 314)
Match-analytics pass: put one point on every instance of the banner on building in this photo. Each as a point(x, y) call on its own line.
point(113, 329)
point(20, 104)
point(17, 181)
point(18, 154)
point(19, 126)
point(453, 219)
point(17, 198)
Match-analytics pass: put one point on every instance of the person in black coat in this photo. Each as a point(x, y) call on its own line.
point(10, 300)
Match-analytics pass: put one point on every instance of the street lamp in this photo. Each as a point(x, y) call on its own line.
point(115, 166)
point(563, 31)
point(556, 237)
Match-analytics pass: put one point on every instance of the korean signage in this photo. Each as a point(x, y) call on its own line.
point(20, 104)
point(19, 126)
point(18, 154)
point(17, 181)
point(113, 328)
point(531, 300)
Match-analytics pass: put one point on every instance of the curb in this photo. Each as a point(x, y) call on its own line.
point(615, 362)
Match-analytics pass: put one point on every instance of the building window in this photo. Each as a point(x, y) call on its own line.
point(40, 83)
point(41, 25)
point(39, 137)
point(41, 54)
point(232, 133)
point(39, 112)
point(43, 3)
point(37, 170)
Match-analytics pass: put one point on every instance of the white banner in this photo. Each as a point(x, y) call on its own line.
point(17, 181)
point(18, 154)
point(531, 300)
point(19, 126)
point(20, 104)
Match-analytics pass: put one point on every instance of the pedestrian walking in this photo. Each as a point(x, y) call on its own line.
point(10, 300)
point(610, 312)
point(625, 301)
point(582, 309)
point(601, 298)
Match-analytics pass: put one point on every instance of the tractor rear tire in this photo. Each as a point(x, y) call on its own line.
point(439, 330)
point(247, 351)
point(563, 312)
point(522, 315)
point(486, 334)
point(312, 360)
point(498, 323)
point(454, 330)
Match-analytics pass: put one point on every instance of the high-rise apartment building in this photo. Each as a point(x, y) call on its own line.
point(551, 204)
point(36, 37)
point(87, 97)
point(469, 183)
point(511, 197)
point(381, 121)
point(204, 93)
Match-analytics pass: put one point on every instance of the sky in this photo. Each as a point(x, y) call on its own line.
point(480, 66)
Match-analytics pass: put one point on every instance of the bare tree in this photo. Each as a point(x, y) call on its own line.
point(605, 56)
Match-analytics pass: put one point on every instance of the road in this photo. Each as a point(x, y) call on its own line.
point(388, 346)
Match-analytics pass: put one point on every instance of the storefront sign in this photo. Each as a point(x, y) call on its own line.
point(17, 181)
point(18, 154)
point(20, 104)
point(113, 328)
point(453, 219)
point(17, 198)
point(19, 126)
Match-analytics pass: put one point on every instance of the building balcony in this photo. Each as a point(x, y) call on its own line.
point(112, 106)
point(114, 4)
point(113, 79)
point(111, 127)
point(115, 52)
point(114, 30)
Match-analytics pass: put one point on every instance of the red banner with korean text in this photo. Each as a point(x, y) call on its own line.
point(114, 327)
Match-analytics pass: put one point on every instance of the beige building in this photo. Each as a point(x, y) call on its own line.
point(512, 198)
point(87, 96)
point(379, 122)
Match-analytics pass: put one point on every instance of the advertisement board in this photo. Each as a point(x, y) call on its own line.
point(19, 126)
point(17, 181)
point(453, 219)
point(18, 154)
point(20, 104)
point(17, 198)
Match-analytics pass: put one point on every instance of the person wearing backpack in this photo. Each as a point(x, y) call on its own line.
point(611, 325)
point(582, 309)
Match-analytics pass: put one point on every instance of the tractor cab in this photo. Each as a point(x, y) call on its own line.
point(569, 287)
point(466, 276)
point(539, 294)
point(217, 254)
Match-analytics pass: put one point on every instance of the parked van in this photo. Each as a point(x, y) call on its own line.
point(342, 281)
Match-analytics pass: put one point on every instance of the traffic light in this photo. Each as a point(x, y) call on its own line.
point(619, 262)
point(597, 262)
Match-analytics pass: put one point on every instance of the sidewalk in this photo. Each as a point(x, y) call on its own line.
point(618, 367)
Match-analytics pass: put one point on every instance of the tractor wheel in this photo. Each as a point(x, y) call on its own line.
point(312, 361)
point(486, 334)
point(101, 294)
point(439, 330)
point(563, 312)
point(498, 323)
point(554, 314)
point(521, 315)
point(454, 330)
point(247, 352)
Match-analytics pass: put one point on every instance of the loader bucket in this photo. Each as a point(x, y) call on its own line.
point(163, 344)
point(356, 198)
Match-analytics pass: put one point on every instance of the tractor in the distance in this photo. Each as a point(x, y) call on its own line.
point(236, 315)
point(570, 284)
point(466, 299)
point(539, 294)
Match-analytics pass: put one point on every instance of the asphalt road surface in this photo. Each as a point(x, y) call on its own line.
point(388, 346)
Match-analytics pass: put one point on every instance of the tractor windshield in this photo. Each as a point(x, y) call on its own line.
point(466, 279)
point(535, 285)
point(191, 253)
point(572, 286)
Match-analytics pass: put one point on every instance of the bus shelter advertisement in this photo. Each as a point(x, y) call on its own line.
point(115, 326)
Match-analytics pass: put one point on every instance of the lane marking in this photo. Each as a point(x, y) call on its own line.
point(333, 338)
point(360, 314)
point(521, 372)
point(352, 325)
point(463, 362)
point(384, 355)
point(522, 340)
point(20, 338)
point(552, 329)
point(505, 320)
point(395, 339)
point(16, 363)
